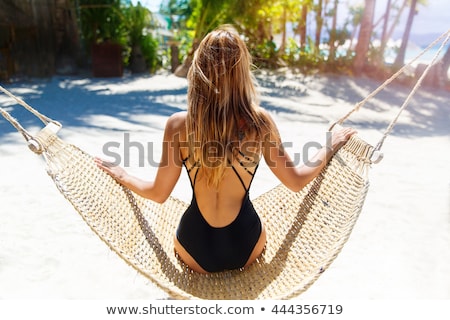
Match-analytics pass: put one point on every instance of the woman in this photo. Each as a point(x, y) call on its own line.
point(220, 140)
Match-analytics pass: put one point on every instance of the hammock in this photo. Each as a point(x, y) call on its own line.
point(306, 230)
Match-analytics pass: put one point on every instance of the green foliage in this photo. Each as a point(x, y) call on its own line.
point(260, 21)
point(303, 58)
point(102, 20)
point(149, 47)
point(136, 19)
point(206, 15)
point(121, 22)
point(264, 54)
point(178, 12)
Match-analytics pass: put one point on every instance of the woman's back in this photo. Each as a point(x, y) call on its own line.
point(220, 204)
point(220, 230)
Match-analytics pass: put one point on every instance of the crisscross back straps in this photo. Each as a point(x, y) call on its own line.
point(242, 164)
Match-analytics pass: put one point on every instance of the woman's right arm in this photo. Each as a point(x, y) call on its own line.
point(292, 176)
point(168, 171)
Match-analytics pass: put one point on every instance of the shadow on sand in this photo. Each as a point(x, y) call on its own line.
point(73, 101)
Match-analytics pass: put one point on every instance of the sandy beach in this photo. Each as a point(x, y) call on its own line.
point(399, 248)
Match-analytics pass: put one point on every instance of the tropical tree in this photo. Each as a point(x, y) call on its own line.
point(142, 45)
point(355, 18)
point(283, 21)
point(319, 22)
point(283, 13)
point(365, 33)
point(400, 59)
point(102, 21)
point(265, 26)
point(333, 35)
point(445, 65)
point(258, 21)
point(178, 12)
point(206, 14)
point(305, 8)
point(400, 9)
point(384, 39)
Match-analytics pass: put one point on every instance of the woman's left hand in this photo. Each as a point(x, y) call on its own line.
point(340, 137)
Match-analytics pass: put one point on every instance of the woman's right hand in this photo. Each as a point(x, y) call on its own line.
point(113, 170)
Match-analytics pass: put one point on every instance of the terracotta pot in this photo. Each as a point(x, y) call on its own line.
point(107, 60)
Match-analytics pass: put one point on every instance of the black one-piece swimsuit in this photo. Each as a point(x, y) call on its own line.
point(219, 248)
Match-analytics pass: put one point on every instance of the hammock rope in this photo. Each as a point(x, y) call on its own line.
point(416, 86)
point(36, 148)
point(306, 230)
point(413, 91)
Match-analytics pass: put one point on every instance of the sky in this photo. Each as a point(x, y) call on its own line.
point(430, 19)
point(153, 5)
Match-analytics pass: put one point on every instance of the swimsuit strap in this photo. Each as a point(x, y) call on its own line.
point(240, 179)
point(248, 171)
point(252, 174)
point(195, 165)
point(195, 177)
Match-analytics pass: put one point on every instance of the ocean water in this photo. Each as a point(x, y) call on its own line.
point(415, 52)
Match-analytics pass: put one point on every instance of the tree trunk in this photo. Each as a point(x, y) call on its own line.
point(283, 32)
point(445, 64)
point(319, 23)
point(302, 26)
point(384, 38)
point(365, 33)
point(211, 11)
point(397, 19)
point(332, 42)
point(67, 40)
point(182, 70)
point(400, 59)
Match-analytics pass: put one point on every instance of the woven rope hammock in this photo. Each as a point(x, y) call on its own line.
point(306, 230)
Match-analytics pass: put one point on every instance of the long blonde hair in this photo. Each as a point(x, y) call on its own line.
point(222, 101)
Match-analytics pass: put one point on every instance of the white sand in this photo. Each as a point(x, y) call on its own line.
point(398, 249)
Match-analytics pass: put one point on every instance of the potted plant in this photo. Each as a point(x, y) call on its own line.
point(143, 46)
point(105, 35)
point(137, 20)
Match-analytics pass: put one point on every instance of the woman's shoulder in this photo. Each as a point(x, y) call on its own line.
point(176, 125)
point(267, 121)
point(176, 122)
point(180, 116)
point(263, 113)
